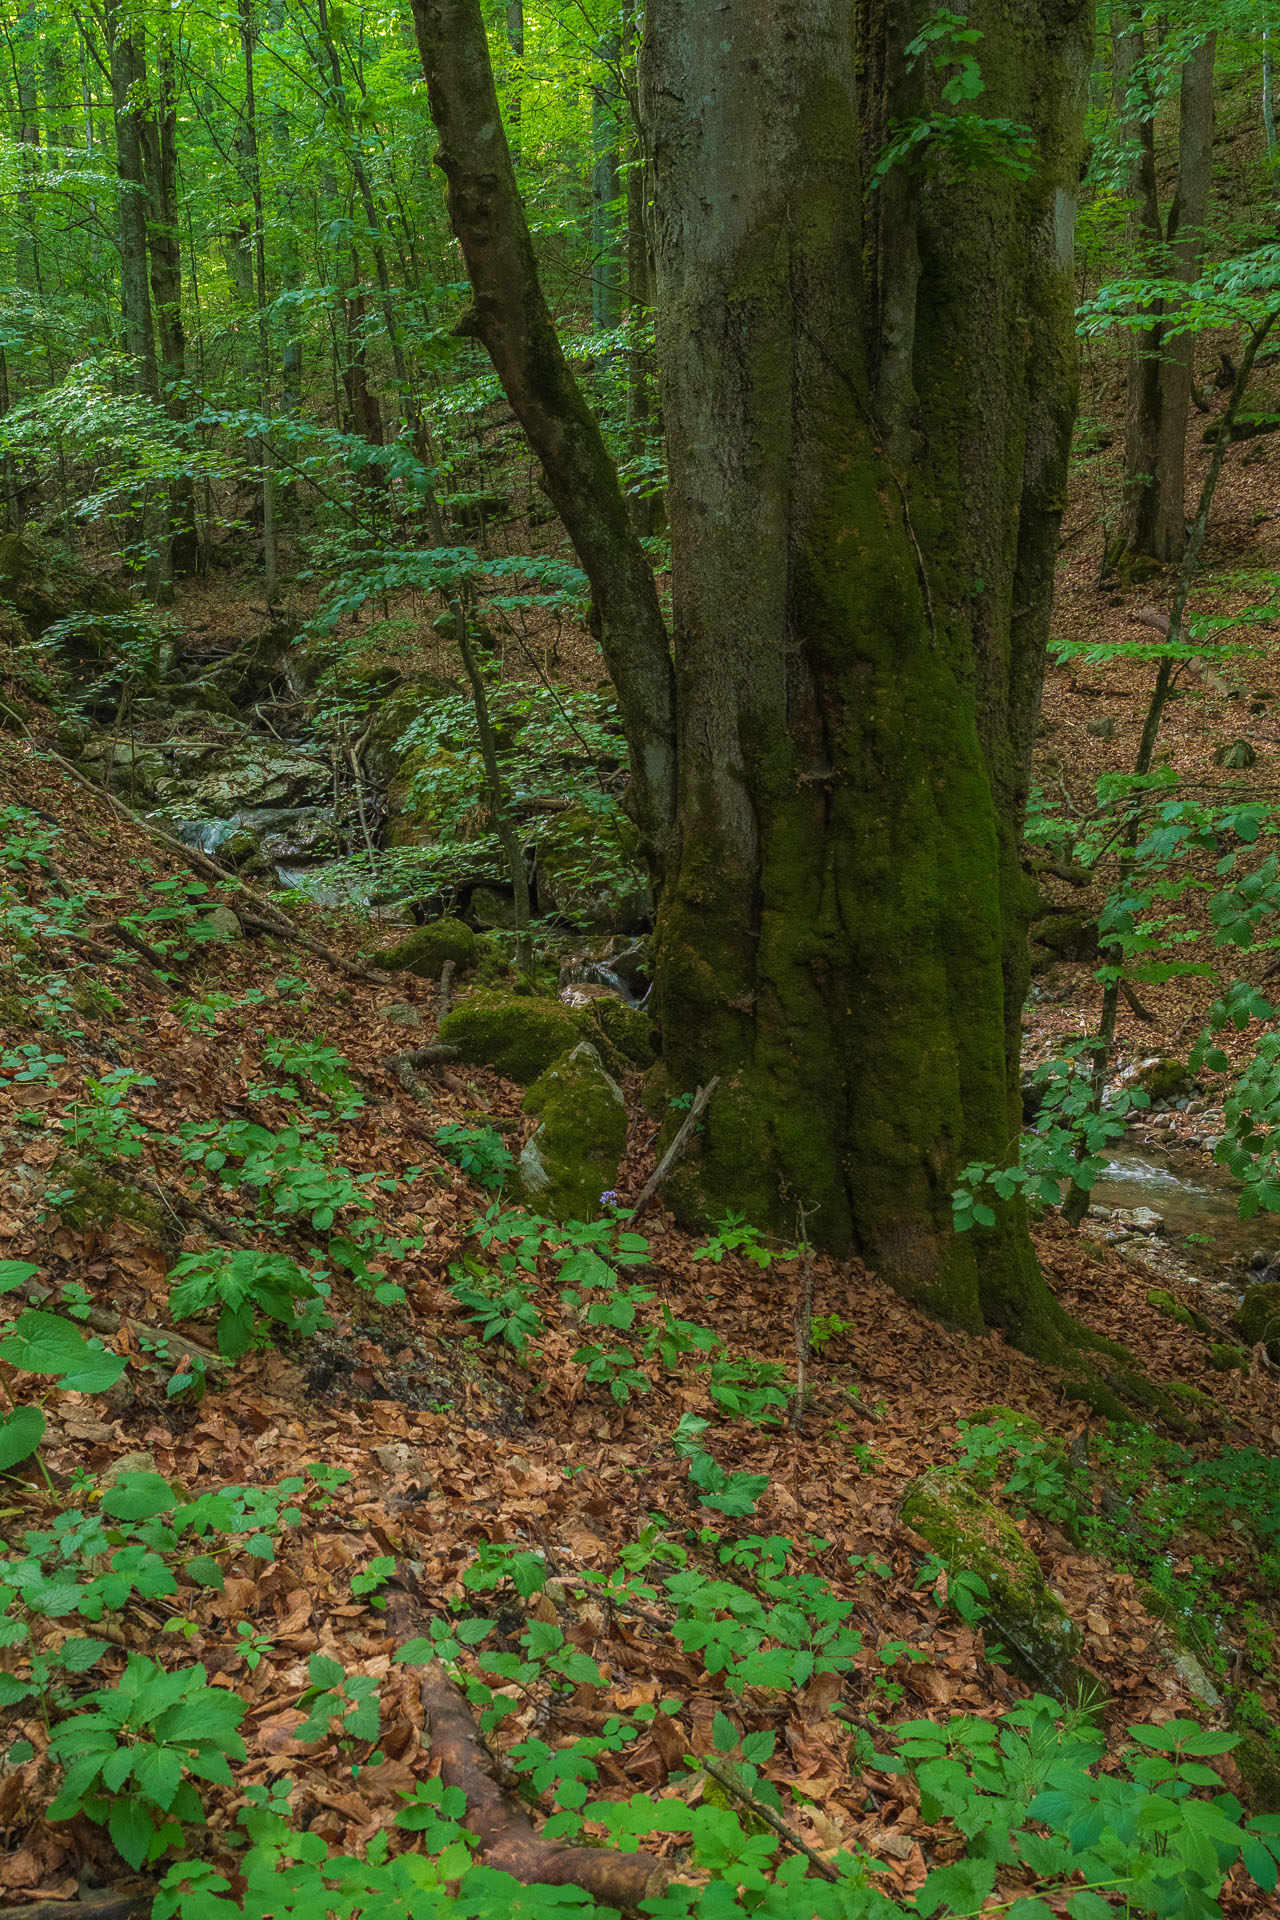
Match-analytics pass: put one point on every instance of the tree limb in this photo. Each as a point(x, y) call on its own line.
point(511, 318)
point(508, 1840)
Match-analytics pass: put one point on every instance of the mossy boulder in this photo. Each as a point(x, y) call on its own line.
point(573, 1157)
point(1065, 936)
point(589, 872)
point(629, 1031)
point(417, 694)
point(43, 581)
point(970, 1534)
point(88, 1199)
point(1165, 1079)
point(1225, 1359)
point(1259, 1317)
point(519, 1034)
point(425, 950)
point(1258, 1758)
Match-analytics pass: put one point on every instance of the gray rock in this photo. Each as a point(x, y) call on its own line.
point(222, 923)
point(1140, 1219)
point(401, 1014)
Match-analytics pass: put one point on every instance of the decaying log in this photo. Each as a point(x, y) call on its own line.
point(97, 1906)
point(508, 1841)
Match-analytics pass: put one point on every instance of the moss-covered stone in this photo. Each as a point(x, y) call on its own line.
point(1067, 936)
point(589, 871)
point(971, 1535)
point(1166, 1079)
point(89, 1198)
point(1258, 1758)
point(573, 1157)
point(1225, 1359)
point(628, 1031)
point(1163, 1301)
point(519, 1034)
point(425, 950)
point(1193, 1396)
point(95, 1000)
point(1259, 1317)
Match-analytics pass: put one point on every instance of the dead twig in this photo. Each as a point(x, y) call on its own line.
point(444, 993)
point(676, 1149)
point(762, 1811)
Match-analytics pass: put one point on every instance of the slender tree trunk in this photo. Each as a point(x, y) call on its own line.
point(127, 92)
point(128, 98)
point(1185, 234)
point(1153, 527)
point(510, 316)
point(515, 91)
point(606, 188)
point(1268, 95)
point(248, 36)
point(158, 131)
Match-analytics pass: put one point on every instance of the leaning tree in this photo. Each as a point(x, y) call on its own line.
point(863, 219)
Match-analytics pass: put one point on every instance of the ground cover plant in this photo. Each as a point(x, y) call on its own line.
point(563, 777)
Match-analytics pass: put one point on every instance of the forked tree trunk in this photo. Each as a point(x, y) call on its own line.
point(859, 635)
point(868, 428)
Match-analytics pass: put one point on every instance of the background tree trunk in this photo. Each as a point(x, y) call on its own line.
point(158, 134)
point(1153, 523)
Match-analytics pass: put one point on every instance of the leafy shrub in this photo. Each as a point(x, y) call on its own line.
point(131, 1751)
point(240, 1286)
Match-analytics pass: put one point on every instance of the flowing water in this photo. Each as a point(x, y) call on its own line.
point(1197, 1202)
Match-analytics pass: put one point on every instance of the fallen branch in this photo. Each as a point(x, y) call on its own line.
point(507, 1839)
point(432, 1056)
point(178, 1203)
point(98, 1906)
point(762, 1811)
point(106, 1320)
point(676, 1149)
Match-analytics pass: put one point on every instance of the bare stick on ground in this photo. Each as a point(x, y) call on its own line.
point(676, 1150)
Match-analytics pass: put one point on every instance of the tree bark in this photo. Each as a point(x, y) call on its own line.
point(127, 81)
point(510, 317)
point(859, 637)
point(158, 130)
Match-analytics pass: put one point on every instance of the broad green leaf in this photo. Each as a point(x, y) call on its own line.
point(46, 1343)
point(138, 1496)
point(20, 1435)
point(16, 1273)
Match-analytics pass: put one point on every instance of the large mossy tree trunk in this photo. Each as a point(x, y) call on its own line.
point(868, 419)
point(868, 399)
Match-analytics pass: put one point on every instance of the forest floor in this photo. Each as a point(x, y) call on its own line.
point(449, 1442)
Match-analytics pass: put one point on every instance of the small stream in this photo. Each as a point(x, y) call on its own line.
point(1196, 1201)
